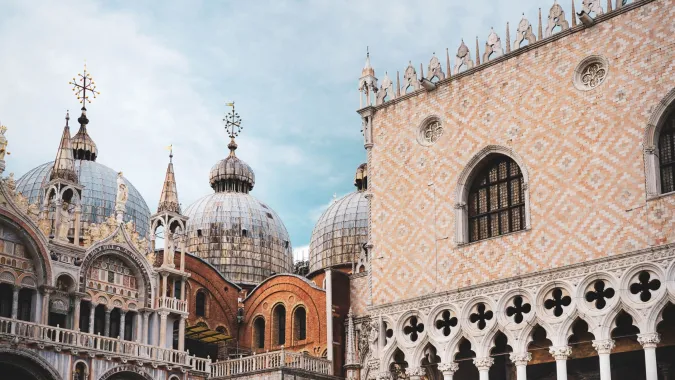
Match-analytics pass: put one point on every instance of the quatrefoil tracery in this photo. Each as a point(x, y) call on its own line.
point(446, 323)
point(413, 328)
point(645, 286)
point(599, 294)
point(388, 333)
point(558, 302)
point(481, 316)
point(519, 308)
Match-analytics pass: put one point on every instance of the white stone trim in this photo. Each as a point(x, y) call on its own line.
point(650, 144)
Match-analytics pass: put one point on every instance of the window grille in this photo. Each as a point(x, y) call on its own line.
point(667, 155)
point(496, 200)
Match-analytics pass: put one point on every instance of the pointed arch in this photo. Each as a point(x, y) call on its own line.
point(657, 120)
point(465, 182)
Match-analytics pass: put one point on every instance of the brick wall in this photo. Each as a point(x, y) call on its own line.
point(582, 149)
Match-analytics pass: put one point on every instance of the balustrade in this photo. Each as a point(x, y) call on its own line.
point(174, 304)
point(271, 360)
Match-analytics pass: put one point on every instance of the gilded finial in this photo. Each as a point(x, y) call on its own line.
point(232, 126)
point(86, 84)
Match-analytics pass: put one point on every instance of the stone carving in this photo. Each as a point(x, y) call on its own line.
point(589, 6)
point(62, 233)
point(410, 79)
point(3, 143)
point(431, 132)
point(520, 359)
point(21, 202)
point(386, 90)
point(418, 371)
point(483, 364)
point(560, 353)
point(556, 17)
point(435, 69)
point(649, 340)
point(524, 32)
point(122, 194)
point(493, 47)
point(603, 346)
point(463, 59)
point(448, 368)
point(364, 340)
point(592, 74)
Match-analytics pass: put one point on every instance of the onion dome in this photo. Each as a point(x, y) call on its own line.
point(231, 173)
point(98, 195)
point(84, 148)
point(342, 230)
point(242, 237)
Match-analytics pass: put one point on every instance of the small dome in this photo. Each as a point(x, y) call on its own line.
point(232, 174)
point(240, 236)
point(98, 196)
point(342, 230)
point(84, 148)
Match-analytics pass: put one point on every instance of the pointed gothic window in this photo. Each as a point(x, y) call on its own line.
point(496, 201)
point(667, 155)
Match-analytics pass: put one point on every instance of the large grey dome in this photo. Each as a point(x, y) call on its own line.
point(98, 196)
point(340, 233)
point(239, 235)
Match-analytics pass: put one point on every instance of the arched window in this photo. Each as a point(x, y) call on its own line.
point(200, 304)
point(259, 332)
point(279, 325)
point(667, 155)
point(496, 203)
point(300, 323)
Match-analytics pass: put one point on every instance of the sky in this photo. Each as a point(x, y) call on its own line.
point(166, 69)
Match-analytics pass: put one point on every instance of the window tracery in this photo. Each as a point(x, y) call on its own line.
point(667, 155)
point(430, 132)
point(496, 200)
point(590, 73)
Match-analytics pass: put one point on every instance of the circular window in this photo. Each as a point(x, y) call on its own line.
point(430, 131)
point(591, 73)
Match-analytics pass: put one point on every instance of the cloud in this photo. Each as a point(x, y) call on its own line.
point(166, 69)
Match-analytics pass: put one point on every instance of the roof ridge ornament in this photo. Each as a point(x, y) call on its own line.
point(556, 17)
point(233, 127)
point(493, 47)
point(524, 32)
point(463, 58)
point(83, 146)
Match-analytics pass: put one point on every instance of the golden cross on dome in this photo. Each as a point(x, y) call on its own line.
point(86, 84)
point(232, 122)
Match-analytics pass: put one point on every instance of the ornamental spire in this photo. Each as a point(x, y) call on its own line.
point(168, 200)
point(233, 127)
point(64, 164)
point(352, 358)
point(84, 87)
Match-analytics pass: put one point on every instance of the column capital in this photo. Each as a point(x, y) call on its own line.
point(603, 346)
point(649, 340)
point(384, 375)
point(417, 372)
point(163, 314)
point(123, 312)
point(483, 364)
point(521, 358)
point(448, 368)
point(560, 353)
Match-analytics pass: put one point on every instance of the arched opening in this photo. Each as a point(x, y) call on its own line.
point(300, 324)
point(584, 357)
point(496, 199)
point(502, 367)
point(464, 358)
point(666, 154)
point(175, 334)
point(398, 366)
point(25, 305)
point(115, 317)
point(430, 362)
point(17, 365)
point(6, 297)
point(665, 351)
point(200, 303)
point(279, 325)
point(80, 371)
point(99, 319)
point(627, 357)
point(259, 333)
point(542, 365)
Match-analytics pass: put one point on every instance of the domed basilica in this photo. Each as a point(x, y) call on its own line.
point(515, 219)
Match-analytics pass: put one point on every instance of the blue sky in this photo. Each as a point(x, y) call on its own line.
point(166, 70)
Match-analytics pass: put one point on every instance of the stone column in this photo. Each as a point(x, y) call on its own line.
point(164, 284)
point(604, 348)
point(417, 373)
point(138, 319)
point(77, 225)
point(520, 360)
point(483, 365)
point(560, 354)
point(106, 328)
point(181, 333)
point(182, 289)
point(92, 314)
point(329, 314)
point(15, 306)
point(57, 219)
point(649, 343)
point(45, 306)
point(162, 328)
point(123, 315)
point(448, 369)
point(76, 313)
point(146, 326)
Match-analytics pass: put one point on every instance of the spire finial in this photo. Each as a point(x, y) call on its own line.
point(67, 117)
point(367, 51)
point(85, 83)
point(170, 149)
point(233, 127)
